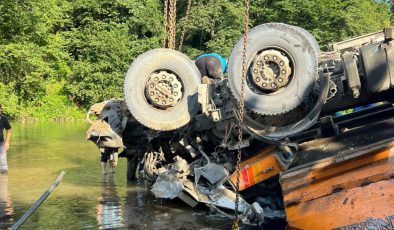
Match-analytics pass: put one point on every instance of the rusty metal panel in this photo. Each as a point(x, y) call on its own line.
point(258, 168)
point(355, 43)
point(353, 194)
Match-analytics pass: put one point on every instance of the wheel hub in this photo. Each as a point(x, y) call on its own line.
point(271, 70)
point(163, 89)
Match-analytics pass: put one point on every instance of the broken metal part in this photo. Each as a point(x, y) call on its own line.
point(101, 133)
point(332, 90)
point(106, 131)
point(271, 70)
point(214, 173)
point(173, 182)
point(167, 187)
point(208, 107)
point(187, 199)
point(233, 145)
point(181, 167)
point(151, 161)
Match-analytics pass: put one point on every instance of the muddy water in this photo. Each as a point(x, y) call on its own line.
point(84, 199)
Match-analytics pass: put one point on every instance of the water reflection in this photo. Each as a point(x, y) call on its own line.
point(136, 206)
point(109, 211)
point(6, 210)
point(143, 211)
point(84, 200)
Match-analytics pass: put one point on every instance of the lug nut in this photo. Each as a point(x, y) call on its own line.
point(156, 79)
point(283, 71)
point(175, 85)
point(171, 100)
point(273, 85)
point(264, 84)
point(151, 93)
point(258, 79)
point(281, 63)
point(256, 71)
point(275, 58)
point(176, 94)
point(259, 62)
point(171, 79)
point(266, 57)
point(280, 80)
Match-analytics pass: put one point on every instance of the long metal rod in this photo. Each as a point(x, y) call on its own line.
point(38, 202)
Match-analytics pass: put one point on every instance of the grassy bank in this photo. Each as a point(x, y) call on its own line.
point(53, 105)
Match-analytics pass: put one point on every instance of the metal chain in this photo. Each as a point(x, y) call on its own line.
point(189, 5)
point(172, 24)
point(165, 23)
point(241, 109)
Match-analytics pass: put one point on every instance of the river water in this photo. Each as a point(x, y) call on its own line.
point(84, 199)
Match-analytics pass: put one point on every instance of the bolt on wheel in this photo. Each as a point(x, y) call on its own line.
point(271, 70)
point(163, 89)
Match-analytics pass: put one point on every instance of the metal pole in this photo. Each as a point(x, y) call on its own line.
point(38, 202)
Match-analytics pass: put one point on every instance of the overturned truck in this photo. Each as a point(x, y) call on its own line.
point(305, 110)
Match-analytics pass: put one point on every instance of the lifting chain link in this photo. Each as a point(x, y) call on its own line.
point(241, 110)
point(165, 23)
point(189, 5)
point(172, 24)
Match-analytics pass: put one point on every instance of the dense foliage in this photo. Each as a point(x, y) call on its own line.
point(57, 57)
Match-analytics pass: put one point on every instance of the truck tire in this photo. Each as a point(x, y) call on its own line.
point(175, 67)
point(310, 38)
point(292, 43)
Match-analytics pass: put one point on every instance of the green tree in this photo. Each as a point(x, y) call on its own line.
point(328, 21)
point(214, 26)
point(104, 39)
point(31, 48)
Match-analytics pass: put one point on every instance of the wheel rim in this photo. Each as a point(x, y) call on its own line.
point(271, 70)
point(163, 90)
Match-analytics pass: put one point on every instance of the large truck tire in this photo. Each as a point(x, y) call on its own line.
point(310, 38)
point(161, 88)
point(282, 68)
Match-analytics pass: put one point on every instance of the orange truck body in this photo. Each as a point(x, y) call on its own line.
point(357, 193)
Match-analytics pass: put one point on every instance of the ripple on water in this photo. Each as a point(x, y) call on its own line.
point(84, 199)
